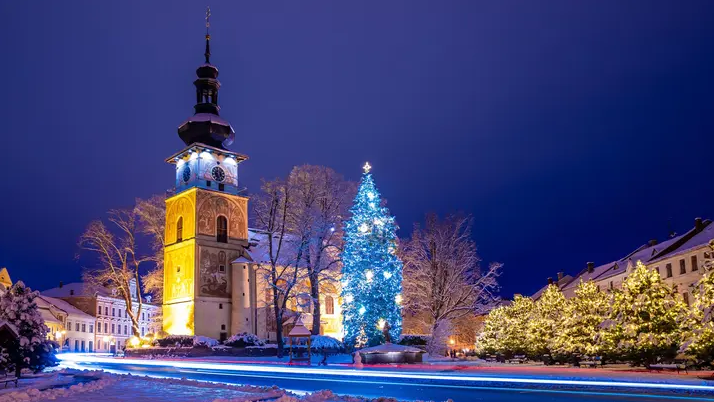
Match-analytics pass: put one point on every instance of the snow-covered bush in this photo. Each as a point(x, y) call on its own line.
point(244, 339)
point(31, 350)
point(175, 341)
point(324, 342)
point(414, 340)
point(204, 341)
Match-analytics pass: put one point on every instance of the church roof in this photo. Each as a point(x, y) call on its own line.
point(77, 289)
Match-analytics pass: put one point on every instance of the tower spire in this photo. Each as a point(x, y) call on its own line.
point(208, 35)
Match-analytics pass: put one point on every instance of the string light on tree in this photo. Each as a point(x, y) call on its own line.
point(369, 252)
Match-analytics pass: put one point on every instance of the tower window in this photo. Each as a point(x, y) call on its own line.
point(208, 183)
point(223, 327)
point(222, 229)
point(221, 187)
point(221, 268)
point(220, 306)
point(179, 229)
point(178, 269)
point(329, 305)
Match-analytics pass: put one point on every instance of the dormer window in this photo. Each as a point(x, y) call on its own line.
point(179, 229)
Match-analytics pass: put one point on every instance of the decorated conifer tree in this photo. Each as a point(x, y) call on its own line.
point(546, 321)
point(699, 328)
point(504, 330)
point(371, 270)
point(645, 319)
point(31, 350)
point(582, 320)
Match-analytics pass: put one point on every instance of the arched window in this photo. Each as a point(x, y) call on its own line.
point(222, 229)
point(329, 305)
point(179, 229)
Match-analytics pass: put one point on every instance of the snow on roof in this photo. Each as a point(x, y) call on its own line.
point(299, 329)
point(77, 289)
point(584, 275)
point(700, 239)
point(259, 247)
point(66, 307)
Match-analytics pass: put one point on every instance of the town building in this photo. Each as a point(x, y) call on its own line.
point(213, 280)
point(111, 324)
point(679, 261)
point(70, 327)
point(5, 281)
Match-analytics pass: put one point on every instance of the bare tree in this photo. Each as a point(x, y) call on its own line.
point(152, 223)
point(321, 199)
point(284, 252)
point(118, 258)
point(442, 277)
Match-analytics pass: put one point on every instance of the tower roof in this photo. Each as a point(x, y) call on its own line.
point(205, 126)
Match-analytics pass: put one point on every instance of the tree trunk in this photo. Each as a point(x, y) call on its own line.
point(315, 294)
point(279, 328)
point(18, 368)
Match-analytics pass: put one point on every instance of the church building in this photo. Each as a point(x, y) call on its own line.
point(212, 281)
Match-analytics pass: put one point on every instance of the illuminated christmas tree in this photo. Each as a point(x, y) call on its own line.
point(582, 320)
point(504, 328)
point(371, 270)
point(645, 319)
point(546, 320)
point(699, 327)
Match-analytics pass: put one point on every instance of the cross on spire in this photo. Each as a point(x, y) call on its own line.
point(208, 36)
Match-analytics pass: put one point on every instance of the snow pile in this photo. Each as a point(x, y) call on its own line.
point(390, 348)
point(97, 381)
point(204, 341)
point(174, 341)
point(244, 339)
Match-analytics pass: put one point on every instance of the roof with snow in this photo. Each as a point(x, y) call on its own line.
point(258, 251)
point(698, 236)
point(64, 306)
point(77, 289)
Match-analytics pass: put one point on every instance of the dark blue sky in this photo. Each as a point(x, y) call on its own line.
point(571, 130)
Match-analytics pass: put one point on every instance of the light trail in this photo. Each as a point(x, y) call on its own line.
point(85, 358)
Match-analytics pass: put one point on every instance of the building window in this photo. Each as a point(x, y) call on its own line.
point(113, 328)
point(84, 327)
point(612, 286)
point(682, 267)
point(126, 330)
point(82, 346)
point(222, 229)
point(126, 313)
point(99, 327)
point(91, 328)
point(329, 305)
point(221, 187)
point(69, 325)
point(220, 306)
point(76, 326)
point(179, 229)
point(686, 298)
point(99, 344)
point(695, 265)
point(669, 270)
point(657, 269)
point(142, 331)
point(114, 312)
point(178, 269)
point(76, 345)
point(223, 327)
point(99, 310)
point(106, 326)
point(221, 268)
point(106, 310)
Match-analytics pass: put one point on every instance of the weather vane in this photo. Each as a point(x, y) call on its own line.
point(367, 167)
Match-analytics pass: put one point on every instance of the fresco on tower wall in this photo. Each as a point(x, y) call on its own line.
point(214, 267)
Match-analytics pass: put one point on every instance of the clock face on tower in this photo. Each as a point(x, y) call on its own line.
point(186, 173)
point(218, 174)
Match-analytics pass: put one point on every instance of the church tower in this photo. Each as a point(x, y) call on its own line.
point(206, 218)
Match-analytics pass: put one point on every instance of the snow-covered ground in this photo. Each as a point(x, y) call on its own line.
point(83, 386)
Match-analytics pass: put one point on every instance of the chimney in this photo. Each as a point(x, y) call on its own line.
point(61, 284)
point(652, 242)
point(591, 267)
point(560, 276)
point(550, 281)
point(698, 226)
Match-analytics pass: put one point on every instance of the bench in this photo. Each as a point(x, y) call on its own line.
point(5, 379)
point(517, 359)
point(590, 363)
point(677, 365)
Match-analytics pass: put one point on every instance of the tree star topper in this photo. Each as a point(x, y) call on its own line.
point(367, 167)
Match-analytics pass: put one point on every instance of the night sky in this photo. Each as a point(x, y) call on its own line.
point(573, 131)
